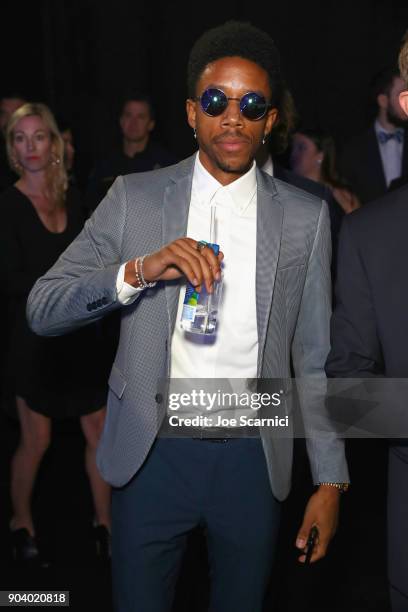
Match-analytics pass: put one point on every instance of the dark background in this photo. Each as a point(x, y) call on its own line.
point(82, 56)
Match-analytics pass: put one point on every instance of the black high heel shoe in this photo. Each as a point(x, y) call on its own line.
point(24, 546)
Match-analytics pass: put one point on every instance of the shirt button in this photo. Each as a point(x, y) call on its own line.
point(159, 398)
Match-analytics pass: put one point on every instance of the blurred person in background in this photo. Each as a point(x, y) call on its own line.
point(314, 157)
point(69, 151)
point(8, 104)
point(57, 377)
point(374, 159)
point(138, 152)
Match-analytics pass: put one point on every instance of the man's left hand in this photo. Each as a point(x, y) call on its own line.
point(322, 510)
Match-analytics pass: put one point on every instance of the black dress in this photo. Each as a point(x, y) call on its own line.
point(59, 376)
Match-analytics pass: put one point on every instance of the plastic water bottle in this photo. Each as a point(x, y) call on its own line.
point(200, 309)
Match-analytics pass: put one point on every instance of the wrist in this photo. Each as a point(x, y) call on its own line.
point(134, 274)
point(130, 274)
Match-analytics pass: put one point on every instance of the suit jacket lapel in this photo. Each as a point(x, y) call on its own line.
point(175, 216)
point(404, 165)
point(376, 173)
point(268, 241)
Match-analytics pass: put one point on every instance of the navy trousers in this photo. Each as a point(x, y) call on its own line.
point(222, 486)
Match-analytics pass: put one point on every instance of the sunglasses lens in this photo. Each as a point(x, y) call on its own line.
point(213, 102)
point(253, 106)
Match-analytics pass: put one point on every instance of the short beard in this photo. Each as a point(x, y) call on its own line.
point(243, 169)
point(393, 118)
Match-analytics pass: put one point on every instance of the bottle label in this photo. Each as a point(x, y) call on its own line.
point(189, 313)
point(190, 304)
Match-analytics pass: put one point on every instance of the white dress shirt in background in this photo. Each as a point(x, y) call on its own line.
point(391, 155)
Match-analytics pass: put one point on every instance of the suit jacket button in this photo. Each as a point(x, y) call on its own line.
point(159, 398)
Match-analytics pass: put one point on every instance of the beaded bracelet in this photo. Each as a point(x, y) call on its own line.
point(139, 274)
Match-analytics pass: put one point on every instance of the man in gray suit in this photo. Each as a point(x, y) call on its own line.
point(135, 252)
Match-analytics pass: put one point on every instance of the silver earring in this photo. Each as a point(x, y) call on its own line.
point(195, 133)
point(264, 139)
point(55, 160)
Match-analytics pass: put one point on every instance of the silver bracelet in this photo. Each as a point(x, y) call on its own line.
point(139, 274)
point(340, 486)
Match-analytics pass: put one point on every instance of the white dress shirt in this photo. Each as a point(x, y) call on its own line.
point(391, 155)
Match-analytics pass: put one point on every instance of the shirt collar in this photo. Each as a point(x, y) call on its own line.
point(237, 195)
point(378, 128)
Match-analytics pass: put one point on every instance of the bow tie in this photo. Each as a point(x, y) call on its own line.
point(384, 137)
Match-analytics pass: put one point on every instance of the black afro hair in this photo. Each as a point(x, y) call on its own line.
point(235, 38)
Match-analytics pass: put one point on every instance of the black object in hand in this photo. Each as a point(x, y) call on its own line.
point(310, 544)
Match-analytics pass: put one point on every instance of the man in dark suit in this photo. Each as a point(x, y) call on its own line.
point(138, 151)
point(374, 159)
point(370, 333)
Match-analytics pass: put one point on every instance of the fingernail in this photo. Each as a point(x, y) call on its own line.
point(300, 543)
point(195, 281)
point(218, 276)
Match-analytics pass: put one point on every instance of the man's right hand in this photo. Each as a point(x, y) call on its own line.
point(179, 258)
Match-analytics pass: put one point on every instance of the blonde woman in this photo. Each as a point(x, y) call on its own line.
point(54, 377)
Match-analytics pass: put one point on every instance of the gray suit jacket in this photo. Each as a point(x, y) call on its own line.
point(140, 214)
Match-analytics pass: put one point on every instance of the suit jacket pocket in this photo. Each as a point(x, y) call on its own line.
point(295, 262)
point(117, 382)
